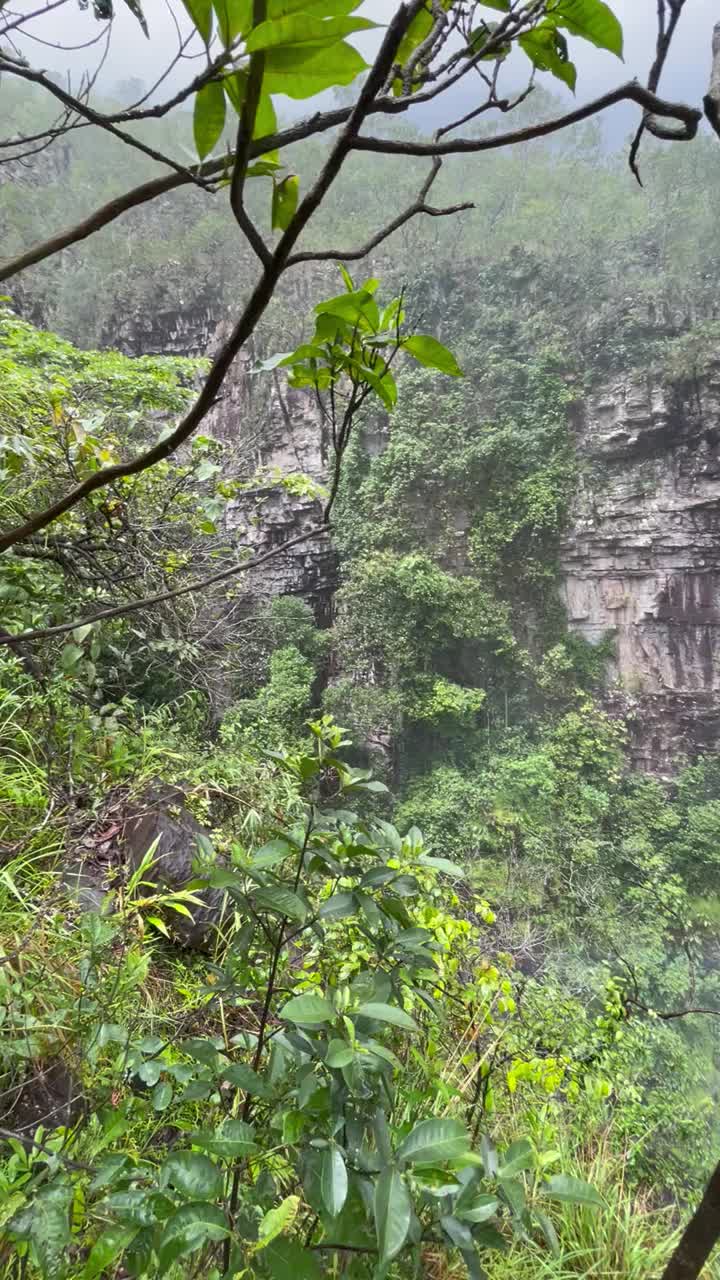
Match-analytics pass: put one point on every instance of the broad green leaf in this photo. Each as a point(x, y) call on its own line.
point(189, 1229)
point(521, 1155)
point(284, 201)
point(301, 73)
point(208, 117)
point(549, 1232)
point(162, 1095)
point(479, 1210)
point(233, 1138)
point(243, 1077)
point(107, 1249)
point(339, 1054)
point(573, 1190)
point(457, 1232)
point(70, 656)
point(338, 907)
point(431, 353)
point(303, 30)
point(287, 1260)
point(472, 1262)
point(392, 1209)
point(592, 20)
point(193, 1175)
point(433, 1141)
point(310, 1010)
point(277, 1221)
point(442, 864)
point(546, 49)
point(387, 1013)
point(235, 86)
point(333, 1181)
point(200, 12)
point(280, 901)
point(277, 850)
point(233, 17)
point(81, 633)
point(326, 8)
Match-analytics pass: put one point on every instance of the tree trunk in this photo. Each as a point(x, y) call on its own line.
point(699, 1236)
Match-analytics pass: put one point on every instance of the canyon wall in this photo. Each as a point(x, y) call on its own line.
point(641, 558)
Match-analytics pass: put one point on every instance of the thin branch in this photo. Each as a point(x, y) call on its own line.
point(255, 308)
point(351, 255)
point(662, 48)
point(689, 117)
point(243, 144)
point(28, 17)
point(711, 101)
point(80, 108)
point(118, 611)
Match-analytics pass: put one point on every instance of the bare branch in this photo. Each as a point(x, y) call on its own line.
point(689, 117)
point(201, 584)
point(711, 101)
point(81, 108)
point(258, 302)
point(352, 255)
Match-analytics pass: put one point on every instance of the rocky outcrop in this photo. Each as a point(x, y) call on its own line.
point(641, 558)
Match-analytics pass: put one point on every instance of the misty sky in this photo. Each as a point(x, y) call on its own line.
point(131, 55)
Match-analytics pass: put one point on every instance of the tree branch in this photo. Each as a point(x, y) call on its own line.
point(80, 108)
point(688, 117)
point(351, 255)
point(259, 299)
point(711, 101)
point(118, 611)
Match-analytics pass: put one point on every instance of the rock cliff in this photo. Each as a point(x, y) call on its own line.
point(641, 558)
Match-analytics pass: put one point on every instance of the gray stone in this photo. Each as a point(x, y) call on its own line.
point(161, 815)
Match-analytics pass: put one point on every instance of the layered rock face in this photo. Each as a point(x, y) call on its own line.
point(641, 558)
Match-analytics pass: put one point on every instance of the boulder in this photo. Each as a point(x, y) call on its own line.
point(161, 817)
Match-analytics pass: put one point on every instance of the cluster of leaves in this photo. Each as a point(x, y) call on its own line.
point(318, 1054)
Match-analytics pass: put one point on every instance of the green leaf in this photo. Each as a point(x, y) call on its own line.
point(81, 633)
point(189, 1229)
point(310, 1010)
point(333, 1181)
point(547, 50)
point(284, 202)
point(162, 1095)
point(234, 1138)
point(302, 73)
point(472, 1262)
point(592, 20)
point(304, 30)
point(288, 1260)
point(549, 1232)
point(70, 656)
point(200, 12)
point(281, 901)
point(479, 1210)
point(431, 353)
point(277, 1221)
point(243, 1077)
point(338, 907)
point(107, 1249)
point(233, 17)
point(339, 1054)
point(442, 864)
point(521, 1155)
point(572, 1190)
point(193, 1175)
point(208, 117)
point(433, 1141)
point(392, 1210)
point(457, 1232)
point(277, 850)
point(387, 1013)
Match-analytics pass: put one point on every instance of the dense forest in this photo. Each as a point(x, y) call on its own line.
point(340, 933)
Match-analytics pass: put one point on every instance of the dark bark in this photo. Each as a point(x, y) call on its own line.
point(699, 1237)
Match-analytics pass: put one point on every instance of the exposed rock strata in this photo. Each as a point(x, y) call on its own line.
point(641, 558)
